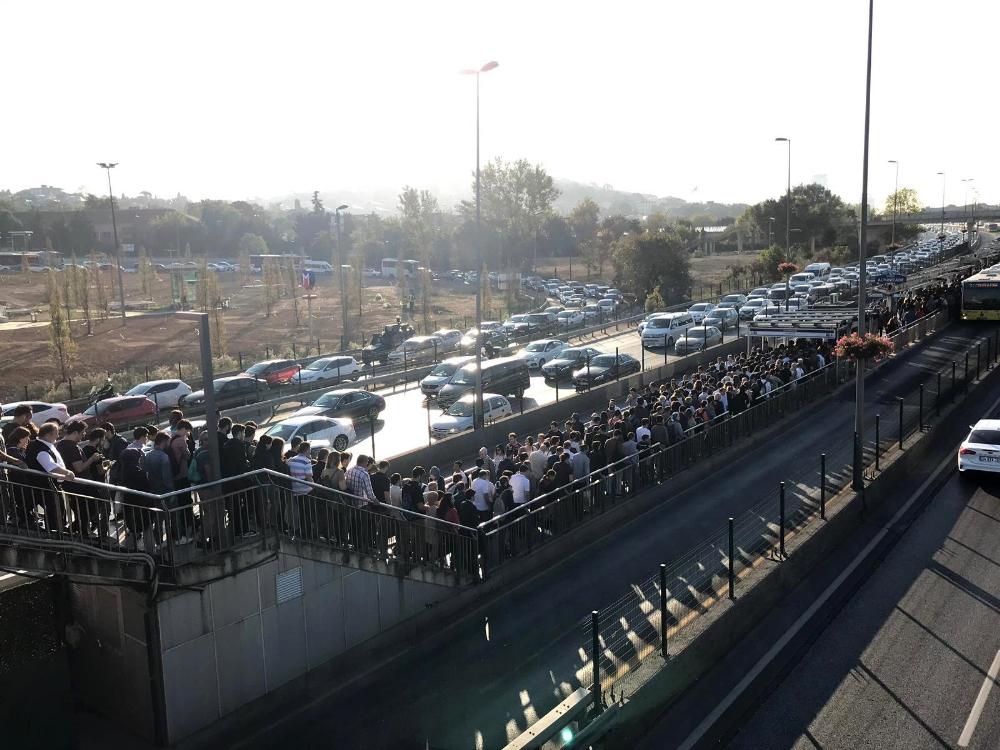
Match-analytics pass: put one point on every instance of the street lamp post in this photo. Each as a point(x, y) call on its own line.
point(942, 200)
point(788, 198)
point(858, 477)
point(343, 288)
point(107, 166)
point(895, 202)
point(477, 412)
point(208, 385)
point(770, 231)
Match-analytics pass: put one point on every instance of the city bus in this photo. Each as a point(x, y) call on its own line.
point(981, 295)
point(389, 267)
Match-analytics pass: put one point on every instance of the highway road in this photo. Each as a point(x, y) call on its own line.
point(511, 661)
point(913, 660)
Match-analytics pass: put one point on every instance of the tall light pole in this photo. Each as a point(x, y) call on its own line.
point(965, 201)
point(788, 197)
point(858, 478)
point(107, 166)
point(770, 231)
point(942, 200)
point(477, 412)
point(208, 386)
point(895, 201)
point(343, 288)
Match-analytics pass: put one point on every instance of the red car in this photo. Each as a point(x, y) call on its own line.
point(119, 410)
point(274, 371)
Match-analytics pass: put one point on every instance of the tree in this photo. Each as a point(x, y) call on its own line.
point(271, 279)
point(515, 198)
point(202, 289)
point(417, 210)
point(81, 285)
point(647, 262)
point(292, 276)
point(146, 276)
point(101, 293)
point(61, 343)
point(654, 301)
point(611, 229)
point(903, 201)
point(249, 244)
point(584, 223)
point(218, 323)
point(766, 265)
point(816, 213)
point(68, 292)
point(83, 237)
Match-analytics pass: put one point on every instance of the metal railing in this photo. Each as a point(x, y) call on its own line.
point(194, 524)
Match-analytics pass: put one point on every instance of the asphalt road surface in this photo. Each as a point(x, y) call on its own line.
point(510, 662)
point(913, 660)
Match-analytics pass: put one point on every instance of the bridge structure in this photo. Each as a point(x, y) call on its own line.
point(965, 215)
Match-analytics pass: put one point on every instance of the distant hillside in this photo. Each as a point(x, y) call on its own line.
point(614, 201)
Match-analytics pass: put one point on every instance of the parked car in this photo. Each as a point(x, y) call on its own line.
point(416, 350)
point(604, 368)
point(166, 394)
point(698, 338)
point(607, 306)
point(449, 338)
point(700, 309)
point(568, 360)
point(537, 353)
point(234, 390)
point(338, 432)
point(458, 417)
point(41, 411)
point(593, 313)
point(735, 300)
point(274, 371)
point(353, 403)
point(330, 370)
point(570, 318)
point(517, 325)
point(722, 318)
point(442, 373)
point(119, 410)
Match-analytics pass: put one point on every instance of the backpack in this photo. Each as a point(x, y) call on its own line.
point(193, 474)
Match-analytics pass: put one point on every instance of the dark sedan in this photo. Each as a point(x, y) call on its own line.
point(569, 360)
point(604, 369)
point(232, 391)
point(345, 402)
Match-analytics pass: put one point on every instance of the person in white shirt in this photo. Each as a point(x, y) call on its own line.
point(42, 455)
point(798, 370)
point(520, 485)
point(538, 459)
point(642, 431)
point(483, 499)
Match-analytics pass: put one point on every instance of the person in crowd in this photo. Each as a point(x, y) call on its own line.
point(21, 418)
point(396, 490)
point(483, 490)
point(140, 436)
point(380, 482)
point(300, 469)
point(359, 481)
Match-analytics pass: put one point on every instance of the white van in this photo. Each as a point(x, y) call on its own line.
point(665, 329)
point(819, 270)
point(801, 278)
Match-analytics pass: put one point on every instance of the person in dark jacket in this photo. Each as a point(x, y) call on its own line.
point(234, 463)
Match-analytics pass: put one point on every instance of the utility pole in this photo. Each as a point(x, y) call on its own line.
point(107, 166)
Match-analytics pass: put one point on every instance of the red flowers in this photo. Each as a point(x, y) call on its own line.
point(854, 347)
point(787, 267)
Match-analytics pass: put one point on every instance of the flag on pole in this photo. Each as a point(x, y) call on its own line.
point(308, 280)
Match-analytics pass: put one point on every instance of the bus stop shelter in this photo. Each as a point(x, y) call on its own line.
point(827, 324)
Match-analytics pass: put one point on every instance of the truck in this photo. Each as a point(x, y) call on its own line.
point(377, 350)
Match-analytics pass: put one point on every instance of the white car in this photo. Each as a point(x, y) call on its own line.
point(537, 353)
point(607, 306)
point(645, 321)
point(449, 338)
point(41, 411)
point(700, 309)
point(570, 318)
point(166, 394)
point(980, 451)
point(337, 431)
point(458, 417)
point(330, 370)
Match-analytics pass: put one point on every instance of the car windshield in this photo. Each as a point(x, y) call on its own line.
point(283, 431)
point(376, 339)
point(465, 376)
point(91, 410)
point(327, 400)
point(258, 368)
point(139, 390)
point(700, 307)
point(460, 409)
point(659, 323)
point(319, 364)
point(987, 437)
point(443, 370)
point(572, 354)
point(696, 333)
point(605, 360)
point(538, 318)
point(518, 318)
point(538, 346)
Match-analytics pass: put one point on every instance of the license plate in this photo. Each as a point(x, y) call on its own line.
point(989, 459)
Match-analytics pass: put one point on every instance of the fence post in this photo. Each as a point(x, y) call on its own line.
point(180, 373)
point(822, 485)
point(239, 358)
point(663, 610)
point(900, 400)
point(595, 658)
point(71, 388)
point(878, 443)
point(295, 354)
point(732, 561)
point(920, 421)
point(937, 397)
point(147, 372)
point(25, 393)
point(781, 519)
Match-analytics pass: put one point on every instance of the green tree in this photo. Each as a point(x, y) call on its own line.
point(816, 213)
point(766, 265)
point(271, 278)
point(418, 210)
point(654, 301)
point(291, 278)
point(61, 344)
point(647, 262)
point(81, 286)
point(249, 244)
point(903, 201)
point(100, 291)
point(83, 237)
point(68, 292)
point(584, 223)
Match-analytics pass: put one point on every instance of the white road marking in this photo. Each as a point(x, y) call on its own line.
point(980, 704)
point(5, 576)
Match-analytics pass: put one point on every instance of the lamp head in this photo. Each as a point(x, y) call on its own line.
point(342, 206)
point(782, 140)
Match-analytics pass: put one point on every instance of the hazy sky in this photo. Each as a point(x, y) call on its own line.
point(218, 98)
